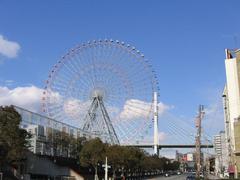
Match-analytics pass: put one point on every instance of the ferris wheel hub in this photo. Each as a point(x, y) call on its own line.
point(98, 93)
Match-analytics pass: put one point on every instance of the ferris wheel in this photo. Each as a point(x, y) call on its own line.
point(104, 87)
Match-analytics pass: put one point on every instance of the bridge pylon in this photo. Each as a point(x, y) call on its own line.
point(155, 123)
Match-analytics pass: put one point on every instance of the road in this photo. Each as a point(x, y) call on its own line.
point(177, 177)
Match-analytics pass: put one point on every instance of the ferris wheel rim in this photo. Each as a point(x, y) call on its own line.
point(130, 49)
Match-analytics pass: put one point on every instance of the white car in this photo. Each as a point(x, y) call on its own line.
point(166, 174)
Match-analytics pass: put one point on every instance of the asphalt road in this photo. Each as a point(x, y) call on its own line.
point(177, 177)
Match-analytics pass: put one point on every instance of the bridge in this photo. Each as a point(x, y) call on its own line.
point(170, 146)
point(31, 118)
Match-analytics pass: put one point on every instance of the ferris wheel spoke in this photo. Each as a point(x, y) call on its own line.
point(139, 69)
point(75, 87)
point(79, 75)
point(137, 77)
point(69, 64)
point(91, 61)
point(69, 70)
point(78, 79)
point(80, 59)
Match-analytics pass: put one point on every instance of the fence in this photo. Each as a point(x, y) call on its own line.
point(51, 137)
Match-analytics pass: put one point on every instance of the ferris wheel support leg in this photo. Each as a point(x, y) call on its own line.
point(155, 121)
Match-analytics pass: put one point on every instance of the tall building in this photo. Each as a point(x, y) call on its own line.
point(221, 159)
point(231, 102)
point(38, 139)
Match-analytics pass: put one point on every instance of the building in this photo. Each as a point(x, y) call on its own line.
point(231, 103)
point(221, 159)
point(51, 137)
point(38, 140)
point(51, 142)
point(187, 160)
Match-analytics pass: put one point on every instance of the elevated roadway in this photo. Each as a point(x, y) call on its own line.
point(170, 146)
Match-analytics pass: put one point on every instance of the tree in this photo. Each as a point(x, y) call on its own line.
point(93, 153)
point(151, 163)
point(115, 157)
point(135, 156)
point(14, 141)
point(65, 144)
point(132, 159)
point(76, 146)
point(170, 165)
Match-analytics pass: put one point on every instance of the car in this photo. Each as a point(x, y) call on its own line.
point(168, 173)
point(190, 177)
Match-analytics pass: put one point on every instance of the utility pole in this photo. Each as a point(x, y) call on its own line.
point(198, 139)
point(207, 167)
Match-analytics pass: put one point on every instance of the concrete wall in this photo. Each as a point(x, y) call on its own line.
point(76, 175)
point(43, 166)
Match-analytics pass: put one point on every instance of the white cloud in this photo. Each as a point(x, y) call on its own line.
point(25, 97)
point(75, 108)
point(134, 109)
point(213, 121)
point(162, 108)
point(162, 136)
point(8, 48)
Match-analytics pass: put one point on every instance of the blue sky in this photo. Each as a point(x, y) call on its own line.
point(184, 40)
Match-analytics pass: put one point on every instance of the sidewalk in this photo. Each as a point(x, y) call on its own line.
point(210, 176)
